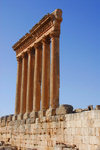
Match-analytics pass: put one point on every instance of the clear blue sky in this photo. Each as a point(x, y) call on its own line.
point(79, 48)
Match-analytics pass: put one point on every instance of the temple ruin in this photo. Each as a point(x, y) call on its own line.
point(38, 67)
point(39, 121)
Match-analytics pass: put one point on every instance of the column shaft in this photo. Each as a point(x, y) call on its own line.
point(18, 86)
point(37, 79)
point(23, 84)
point(45, 99)
point(54, 74)
point(29, 105)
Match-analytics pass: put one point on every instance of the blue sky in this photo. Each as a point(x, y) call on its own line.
point(79, 48)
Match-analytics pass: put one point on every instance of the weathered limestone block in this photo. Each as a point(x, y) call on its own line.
point(98, 148)
point(82, 129)
point(20, 117)
point(8, 148)
point(26, 115)
point(90, 107)
point(97, 107)
point(34, 115)
point(50, 112)
point(30, 120)
point(9, 118)
point(41, 113)
point(78, 110)
point(64, 109)
point(14, 118)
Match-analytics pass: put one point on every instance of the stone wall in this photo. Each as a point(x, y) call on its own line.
point(52, 131)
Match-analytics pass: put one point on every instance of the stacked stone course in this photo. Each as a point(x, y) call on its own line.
point(44, 133)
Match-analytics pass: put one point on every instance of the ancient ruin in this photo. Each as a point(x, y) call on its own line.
point(39, 122)
point(38, 73)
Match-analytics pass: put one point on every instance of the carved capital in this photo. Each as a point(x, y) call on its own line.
point(46, 40)
point(37, 45)
point(19, 59)
point(55, 34)
point(29, 50)
point(58, 14)
point(23, 55)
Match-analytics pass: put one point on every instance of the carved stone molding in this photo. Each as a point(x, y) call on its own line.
point(24, 54)
point(46, 25)
point(55, 34)
point(46, 40)
point(19, 59)
point(37, 45)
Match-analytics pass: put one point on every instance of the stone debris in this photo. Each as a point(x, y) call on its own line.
point(4, 146)
point(90, 107)
point(97, 107)
point(64, 109)
point(63, 146)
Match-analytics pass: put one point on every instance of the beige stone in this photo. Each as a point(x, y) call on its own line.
point(97, 107)
point(18, 86)
point(23, 84)
point(64, 109)
point(30, 79)
point(45, 99)
point(37, 78)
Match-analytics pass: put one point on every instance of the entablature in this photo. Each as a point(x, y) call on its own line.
point(49, 23)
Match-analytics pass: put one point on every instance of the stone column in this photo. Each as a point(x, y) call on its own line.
point(37, 78)
point(23, 84)
point(29, 104)
point(18, 86)
point(45, 99)
point(54, 74)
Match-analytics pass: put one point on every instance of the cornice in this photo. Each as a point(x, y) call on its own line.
point(47, 22)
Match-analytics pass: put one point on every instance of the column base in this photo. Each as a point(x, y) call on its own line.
point(51, 112)
point(26, 116)
point(42, 113)
point(9, 118)
point(20, 117)
point(34, 114)
point(14, 117)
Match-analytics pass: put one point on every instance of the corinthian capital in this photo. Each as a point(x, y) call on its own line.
point(37, 45)
point(46, 40)
point(58, 14)
point(18, 59)
point(55, 34)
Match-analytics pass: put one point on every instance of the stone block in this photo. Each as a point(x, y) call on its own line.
point(98, 148)
point(20, 117)
point(48, 118)
point(78, 110)
point(4, 118)
point(43, 119)
point(64, 109)
point(3, 123)
point(90, 107)
point(50, 112)
point(58, 148)
point(26, 116)
point(14, 118)
point(94, 140)
point(30, 120)
point(34, 115)
point(97, 107)
point(41, 113)
point(37, 120)
point(9, 118)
